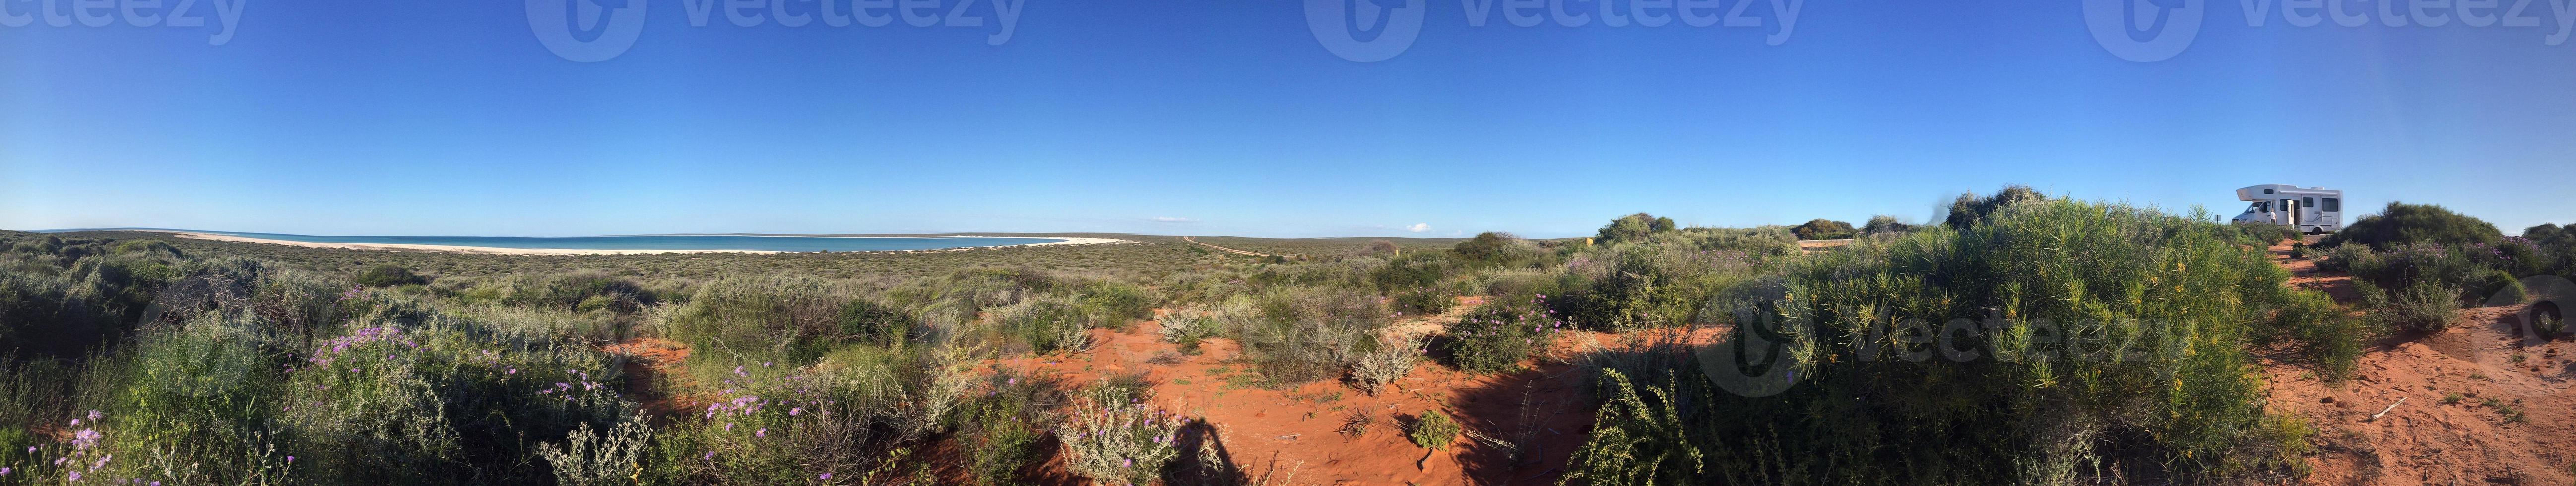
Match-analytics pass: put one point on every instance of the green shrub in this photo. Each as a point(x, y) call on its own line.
point(1637, 439)
point(855, 414)
point(1434, 430)
point(1884, 225)
point(2321, 332)
point(599, 458)
point(388, 275)
point(1969, 208)
point(146, 246)
point(2344, 258)
point(1428, 300)
point(1115, 305)
point(2084, 339)
point(745, 321)
point(1658, 283)
point(1389, 361)
point(1498, 337)
point(1487, 247)
point(998, 427)
point(1301, 334)
point(1047, 324)
point(1120, 440)
point(1632, 227)
point(1823, 229)
point(2404, 224)
point(2424, 307)
point(2410, 265)
point(1412, 271)
point(2549, 326)
point(866, 321)
point(440, 399)
point(2498, 288)
point(1188, 325)
point(2265, 234)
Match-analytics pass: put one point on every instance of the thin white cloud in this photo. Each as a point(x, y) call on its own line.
point(1418, 227)
point(1170, 219)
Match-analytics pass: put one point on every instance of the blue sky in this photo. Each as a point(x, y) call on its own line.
point(1233, 118)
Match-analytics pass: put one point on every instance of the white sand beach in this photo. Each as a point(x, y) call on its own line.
point(1066, 240)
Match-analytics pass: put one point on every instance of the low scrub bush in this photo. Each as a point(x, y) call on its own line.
point(2498, 287)
point(1823, 229)
point(1390, 361)
point(1304, 334)
point(1657, 283)
point(388, 275)
point(1632, 228)
point(1046, 324)
point(2403, 224)
point(2344, 258)
point(1115, 305)
point(1434, 430)
point(1884, 225)
point(1114, 439)
point(1188, 325)
point(2319, 331)
point(2424, 307)
point(2428, 264)
point(1000, 426)
point(1994, 341)
point(1425, 300)
point(599, 458)
point(855, 414)
point(1498, 337)
point(1418, 270)
point(1969, 208)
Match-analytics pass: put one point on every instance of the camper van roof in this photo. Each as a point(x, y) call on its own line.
point(2255, 193)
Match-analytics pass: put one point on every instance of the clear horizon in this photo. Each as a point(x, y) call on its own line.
point(328, 118)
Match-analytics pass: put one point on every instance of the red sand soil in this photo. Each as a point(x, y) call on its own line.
point(1289, 436)
point(650, 364)
point(1292, 436)
point(2426, 441)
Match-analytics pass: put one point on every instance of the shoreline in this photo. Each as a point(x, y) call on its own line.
point(485, 250)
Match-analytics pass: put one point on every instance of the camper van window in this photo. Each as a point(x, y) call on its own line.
point(2267, 191)
point(2307, 202)
point(2333, 205)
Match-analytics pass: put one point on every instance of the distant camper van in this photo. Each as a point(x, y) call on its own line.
point(2312, 210)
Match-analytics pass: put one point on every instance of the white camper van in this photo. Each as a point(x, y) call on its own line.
point(2310, 209)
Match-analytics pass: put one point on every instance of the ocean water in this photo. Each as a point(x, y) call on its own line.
point(691, 242)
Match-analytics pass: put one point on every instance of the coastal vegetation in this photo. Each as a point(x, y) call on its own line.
point(2018, 339)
